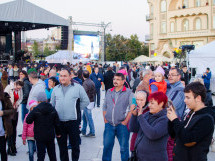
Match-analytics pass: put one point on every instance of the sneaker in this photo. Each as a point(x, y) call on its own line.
point(91, 135)
point(83, 134)
point(20, 135)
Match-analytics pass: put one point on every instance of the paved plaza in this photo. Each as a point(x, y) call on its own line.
point(91, 148)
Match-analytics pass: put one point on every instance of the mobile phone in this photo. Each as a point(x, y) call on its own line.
point(169, 104)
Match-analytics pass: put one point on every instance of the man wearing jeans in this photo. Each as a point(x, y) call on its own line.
point(97, 78)
point(89, 87)
point(116, 116)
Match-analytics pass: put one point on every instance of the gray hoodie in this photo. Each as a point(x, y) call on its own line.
point(35, 90)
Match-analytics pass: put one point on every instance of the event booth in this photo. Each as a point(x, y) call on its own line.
point(62, 56)
point(202, 58)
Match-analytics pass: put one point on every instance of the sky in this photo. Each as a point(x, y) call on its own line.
point(127, 17)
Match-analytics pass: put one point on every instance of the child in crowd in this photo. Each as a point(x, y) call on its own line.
point(46, 124)
point(160, 84)
point(28, 133)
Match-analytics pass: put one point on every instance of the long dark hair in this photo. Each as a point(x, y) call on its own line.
point(1, 92)
point(56, 82)
point(25, 73)
point(4, 75)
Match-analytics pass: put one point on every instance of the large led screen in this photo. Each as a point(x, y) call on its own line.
point(86, 47)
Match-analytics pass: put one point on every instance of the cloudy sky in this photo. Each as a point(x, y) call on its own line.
point(126, 16)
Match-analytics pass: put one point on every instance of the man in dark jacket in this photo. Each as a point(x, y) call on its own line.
point(97, 78)
point(185, 75)
point(207, 77)
point(108, 78)
point(46, 124)
point(75, 77)
point(193, 135)
point(90, 89)
point(26, 90)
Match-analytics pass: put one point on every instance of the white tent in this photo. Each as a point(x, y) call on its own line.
point(62, 56)
point(142, 58)
point(161, 59)
point(202, 58)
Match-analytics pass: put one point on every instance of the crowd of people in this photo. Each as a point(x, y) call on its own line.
point(169, 117)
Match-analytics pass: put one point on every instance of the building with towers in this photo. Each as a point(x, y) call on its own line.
point(179, 22)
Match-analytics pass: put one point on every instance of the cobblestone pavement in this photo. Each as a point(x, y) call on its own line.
point(91, 148)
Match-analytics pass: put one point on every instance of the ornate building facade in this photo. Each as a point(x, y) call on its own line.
point(179, 22)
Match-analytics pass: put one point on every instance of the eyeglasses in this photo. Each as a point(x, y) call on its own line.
point(171, 75)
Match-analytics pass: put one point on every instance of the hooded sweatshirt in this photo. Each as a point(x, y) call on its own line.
point(46, 122)
point(193, 135)
point(35, 90)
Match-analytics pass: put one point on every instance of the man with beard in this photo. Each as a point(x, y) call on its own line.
point(116, 116)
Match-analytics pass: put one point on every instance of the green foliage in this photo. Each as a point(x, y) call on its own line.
point(47, 51)
point(124, 49)
point(35, 49)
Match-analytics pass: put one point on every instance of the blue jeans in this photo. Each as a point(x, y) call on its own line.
point(87, 118)
point(24, 111)
point(122, 134)
point(207, 86)
point(31, 149)
point(97, 98)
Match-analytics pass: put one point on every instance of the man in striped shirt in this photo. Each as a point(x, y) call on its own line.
point(175, 93)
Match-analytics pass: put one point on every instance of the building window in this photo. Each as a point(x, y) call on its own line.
point(151, 10)
point(198, 24)
point(163, 6)
point(185, 4)
point(172, 27)
point(152, 50)
point(151, 31)
point(198, 3)
point(163, 27)
point(185, 25)
point(213, 22)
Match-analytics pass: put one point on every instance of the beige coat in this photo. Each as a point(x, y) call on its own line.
point(10, 89)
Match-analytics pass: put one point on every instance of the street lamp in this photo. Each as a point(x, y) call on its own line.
point(104, 27)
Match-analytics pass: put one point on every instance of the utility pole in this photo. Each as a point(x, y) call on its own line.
point(70, 34)
point(104, 28)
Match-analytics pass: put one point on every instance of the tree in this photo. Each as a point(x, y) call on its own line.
point(46, 50)
point(35, 49)
point(125, 49)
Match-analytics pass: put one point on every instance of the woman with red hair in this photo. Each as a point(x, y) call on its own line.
point(151, 127)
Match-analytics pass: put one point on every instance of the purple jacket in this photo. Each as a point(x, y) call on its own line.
point(152, 136)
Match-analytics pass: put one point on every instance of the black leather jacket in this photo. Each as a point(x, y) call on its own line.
point(26, 90)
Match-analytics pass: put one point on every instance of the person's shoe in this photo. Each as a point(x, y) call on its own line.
point(20, 135)
point(91, 135)
point(83, 134)
point(14, 149)
point(9, 152)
